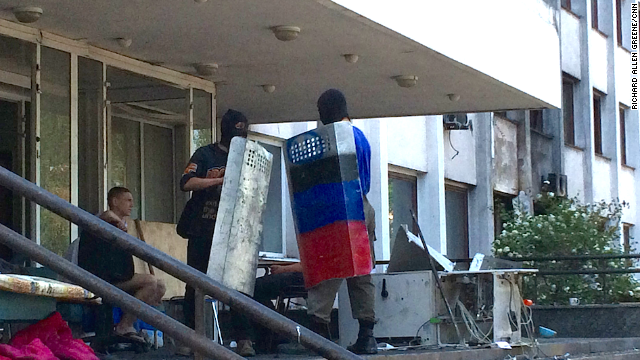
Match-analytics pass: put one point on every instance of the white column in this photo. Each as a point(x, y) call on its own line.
point(74, 138)
point(376, 132)
point(431, 203)
point(103, 156)
point(192, 146)
point(35, 115)
point(481, 223)
point(583, 104)
point(214, 109)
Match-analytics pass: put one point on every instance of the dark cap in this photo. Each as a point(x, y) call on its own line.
point(332, 106)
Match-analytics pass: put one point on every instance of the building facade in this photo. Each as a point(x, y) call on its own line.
point(454, 180)
point(87, 107)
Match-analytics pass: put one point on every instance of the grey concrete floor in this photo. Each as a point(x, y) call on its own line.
point(596, 349)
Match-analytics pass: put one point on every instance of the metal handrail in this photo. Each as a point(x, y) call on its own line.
point(114, 295)
point(168, 264)
point(573, 257)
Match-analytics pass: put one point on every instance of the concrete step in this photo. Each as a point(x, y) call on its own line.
point(622, 347)
point(618, 355)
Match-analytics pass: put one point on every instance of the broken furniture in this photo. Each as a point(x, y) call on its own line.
point(487, 303)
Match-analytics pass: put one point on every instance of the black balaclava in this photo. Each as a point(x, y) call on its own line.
point(234, 123)
point(332, 106)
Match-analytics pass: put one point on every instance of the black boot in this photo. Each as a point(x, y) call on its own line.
point(366, 343)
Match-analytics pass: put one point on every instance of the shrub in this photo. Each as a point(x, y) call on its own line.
point(566, 227)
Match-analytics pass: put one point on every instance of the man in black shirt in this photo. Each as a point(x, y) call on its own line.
point(203, 176)
point(115, 265)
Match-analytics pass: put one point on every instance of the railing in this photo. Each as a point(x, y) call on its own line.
point(160, 260)
point(600, 270)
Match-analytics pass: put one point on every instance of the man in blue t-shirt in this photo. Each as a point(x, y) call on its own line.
point(332, 107)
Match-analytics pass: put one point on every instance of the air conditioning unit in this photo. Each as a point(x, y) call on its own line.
point(556, 184)
point(456, 122)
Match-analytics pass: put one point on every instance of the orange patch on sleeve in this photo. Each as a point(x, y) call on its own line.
point(191, 168)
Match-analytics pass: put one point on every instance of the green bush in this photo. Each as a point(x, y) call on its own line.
point(566, 227)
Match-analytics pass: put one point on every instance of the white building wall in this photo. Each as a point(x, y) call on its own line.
point(623, 76)
point(506, 156)
point(407, 142)
point(459, 156)
point(420, 144)
point(570, 47)
point(574, 169)
point(527, 26)
point(376, 132)
point(284, 130)
point(598, 60)
point(602, 179)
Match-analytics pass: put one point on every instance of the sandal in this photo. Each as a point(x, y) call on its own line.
point(132, 336)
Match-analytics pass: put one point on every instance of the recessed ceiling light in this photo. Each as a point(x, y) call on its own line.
point(124, 42)
point(453, 97)
point(200, 1)
point(286, 32)
point(27, 14)
point(206, 69)
point(268, 88)
point(351, 58)
point(406, 81)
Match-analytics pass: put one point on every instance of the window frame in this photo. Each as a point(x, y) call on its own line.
point(597, 123)
point(626, 237)
point(284, 192)
point(622, 111)
point(619, 22)
point(568, 115)
point(459, 188)
point(141, 121)
point(566, 4)
point(594, 15)
point(536, 120)
point(395, 173)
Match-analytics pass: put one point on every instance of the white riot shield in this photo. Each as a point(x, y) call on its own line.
point(236, 238)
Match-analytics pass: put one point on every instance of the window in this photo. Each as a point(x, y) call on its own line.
point(272, 239)
point(566, 4)
point(626, 243)
point(567, 111)
point(457, 212)
point(626, 237)
point(623, 136)
point(141, 159)
point(55, 144)
point(535, 119)
point(594, 14)
point(597, 123)
point(403, 198)
point(619, 20)
point(501, 203)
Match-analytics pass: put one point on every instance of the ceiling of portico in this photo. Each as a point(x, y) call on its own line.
point(235, 34)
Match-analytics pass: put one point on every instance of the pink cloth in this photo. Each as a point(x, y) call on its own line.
point(35, 350)
point(54, 335)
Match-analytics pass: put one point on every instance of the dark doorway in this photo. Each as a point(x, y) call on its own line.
point(6, 196)
point(9, 115)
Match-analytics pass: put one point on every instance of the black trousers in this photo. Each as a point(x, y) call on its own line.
point(267, 288)
point(198, 249)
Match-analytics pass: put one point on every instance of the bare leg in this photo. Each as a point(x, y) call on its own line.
point(144, 287)
point(160, 290)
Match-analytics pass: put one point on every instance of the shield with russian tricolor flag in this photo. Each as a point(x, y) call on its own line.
point(326, 200)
